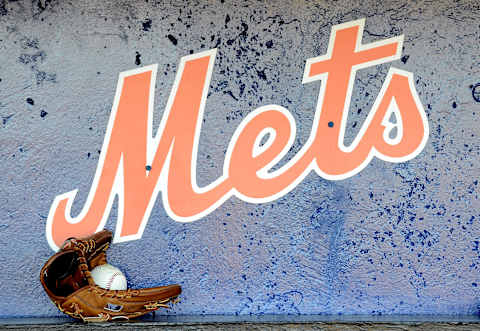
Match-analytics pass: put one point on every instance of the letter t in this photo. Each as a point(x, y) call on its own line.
point(337, 70)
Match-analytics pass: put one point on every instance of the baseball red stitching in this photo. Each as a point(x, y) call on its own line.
point(110, 281)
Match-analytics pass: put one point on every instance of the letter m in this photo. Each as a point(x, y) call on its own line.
point(133, 164)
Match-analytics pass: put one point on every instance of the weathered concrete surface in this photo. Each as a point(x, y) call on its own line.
point(394, 239)
point(264, 322)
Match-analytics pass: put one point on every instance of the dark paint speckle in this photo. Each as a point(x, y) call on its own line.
point(43, 113)
point(476, 92)
point(5, 119)
point(137, 58)
point(330, 124)
point(243, 34)
point(32, 61)
point(42, 4)
point(30, 43)
point(173, 39)
point(3, 8)
point(454, 105)
point(230, 94)
point(30, 101)
point(405, 58)
point(147, 24)
point(261, 74)
point(269, 44)
point(42, 76)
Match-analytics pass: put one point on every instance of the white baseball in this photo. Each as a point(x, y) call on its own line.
point(109, 277)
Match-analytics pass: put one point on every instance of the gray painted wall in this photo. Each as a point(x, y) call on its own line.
point(394, 239)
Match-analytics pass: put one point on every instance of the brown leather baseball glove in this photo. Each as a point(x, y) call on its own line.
point(67, 280)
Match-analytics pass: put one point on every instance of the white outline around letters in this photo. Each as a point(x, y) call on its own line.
point(153, 142)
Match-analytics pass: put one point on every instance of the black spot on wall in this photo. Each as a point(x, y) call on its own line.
point(147, 24)
point(43, 113)
point(29, 43)
point(269, 44)
point(5, 119)
point(230, 94)
point(454, 105)
point(34, 60)
point(172, 39)
point(30, 101)
point(43, 4)
point(227, 19)
point(243, 34)
point(261, 74)
point(476, 92)
point(137, 58)
point(405, 58)
point(42, 76)
point(3, 8)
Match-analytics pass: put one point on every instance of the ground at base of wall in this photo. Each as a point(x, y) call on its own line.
point(350, 326)
point(263, 322)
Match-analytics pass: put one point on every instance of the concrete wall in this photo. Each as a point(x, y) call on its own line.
point(397, 238)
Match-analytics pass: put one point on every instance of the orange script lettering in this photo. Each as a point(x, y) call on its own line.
point(135, 166)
